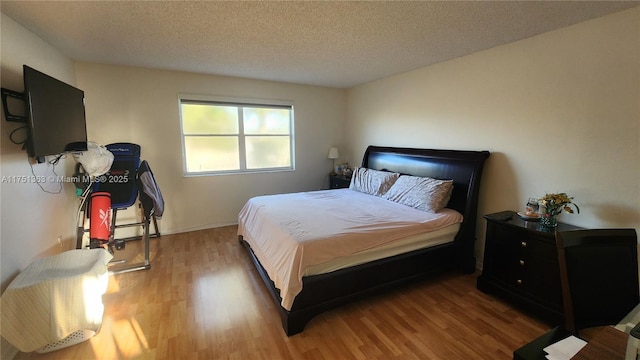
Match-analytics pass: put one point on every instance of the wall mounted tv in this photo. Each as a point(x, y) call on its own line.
point(55, 115)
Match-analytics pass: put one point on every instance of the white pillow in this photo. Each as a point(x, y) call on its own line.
point(422, 193)
point(373, 182)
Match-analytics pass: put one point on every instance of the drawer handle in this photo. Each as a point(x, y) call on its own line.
point(519, 282)
point(521, 262)
point(523, 244)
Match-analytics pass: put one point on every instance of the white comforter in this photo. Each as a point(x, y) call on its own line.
point(290, 232)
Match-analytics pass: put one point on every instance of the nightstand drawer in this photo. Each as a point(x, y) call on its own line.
point(339, 181)
point(521, 242)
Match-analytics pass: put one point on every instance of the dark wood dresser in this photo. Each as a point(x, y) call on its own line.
point(521, 264)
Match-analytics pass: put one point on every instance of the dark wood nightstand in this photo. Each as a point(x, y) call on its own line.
point(339, 181)
point(521, 264)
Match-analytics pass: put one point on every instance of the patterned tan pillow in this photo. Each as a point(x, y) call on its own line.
point(373, 182)
point(422, 193)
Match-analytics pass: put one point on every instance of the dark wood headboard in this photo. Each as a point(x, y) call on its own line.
point(463, 167)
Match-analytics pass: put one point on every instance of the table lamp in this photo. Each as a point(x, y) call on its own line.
point(333, 155)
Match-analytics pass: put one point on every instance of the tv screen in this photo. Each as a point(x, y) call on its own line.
point(55, 115)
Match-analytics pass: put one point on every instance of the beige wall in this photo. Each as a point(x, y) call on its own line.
point(138, 105)
point(31, 220)
point(560, 112)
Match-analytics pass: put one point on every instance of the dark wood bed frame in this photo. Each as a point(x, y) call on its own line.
point(325, 291)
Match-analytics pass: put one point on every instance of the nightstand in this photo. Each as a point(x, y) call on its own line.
point(339, 181)
point(521, 264)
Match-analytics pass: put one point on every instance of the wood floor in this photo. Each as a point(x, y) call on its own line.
point(203, 299)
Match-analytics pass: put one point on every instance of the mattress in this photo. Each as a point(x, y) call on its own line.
point(411, 243)
point(297, 234)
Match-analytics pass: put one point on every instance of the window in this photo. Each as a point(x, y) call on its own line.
point(221, 137)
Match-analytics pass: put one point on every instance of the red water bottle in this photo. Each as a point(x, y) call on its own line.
point(100, 219)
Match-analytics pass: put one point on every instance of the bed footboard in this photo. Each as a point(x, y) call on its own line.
point(323, 292)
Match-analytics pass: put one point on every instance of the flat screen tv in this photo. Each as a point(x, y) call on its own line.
point(55, 115)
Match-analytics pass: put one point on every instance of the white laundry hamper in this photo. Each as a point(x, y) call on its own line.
point(56, 301)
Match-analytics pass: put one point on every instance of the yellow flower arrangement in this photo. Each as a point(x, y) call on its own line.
point(554, 204)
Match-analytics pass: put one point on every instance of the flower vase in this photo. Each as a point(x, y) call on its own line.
point(549, 221)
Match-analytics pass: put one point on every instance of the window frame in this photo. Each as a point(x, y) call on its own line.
point(239, 103)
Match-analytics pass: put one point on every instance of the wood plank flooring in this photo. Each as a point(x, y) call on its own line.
point(203, 299)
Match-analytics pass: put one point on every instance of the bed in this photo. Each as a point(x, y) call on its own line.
point(393, 245)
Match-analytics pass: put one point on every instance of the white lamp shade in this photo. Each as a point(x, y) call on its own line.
point(333, 153)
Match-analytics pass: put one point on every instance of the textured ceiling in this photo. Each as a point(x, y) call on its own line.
point(336, 44)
